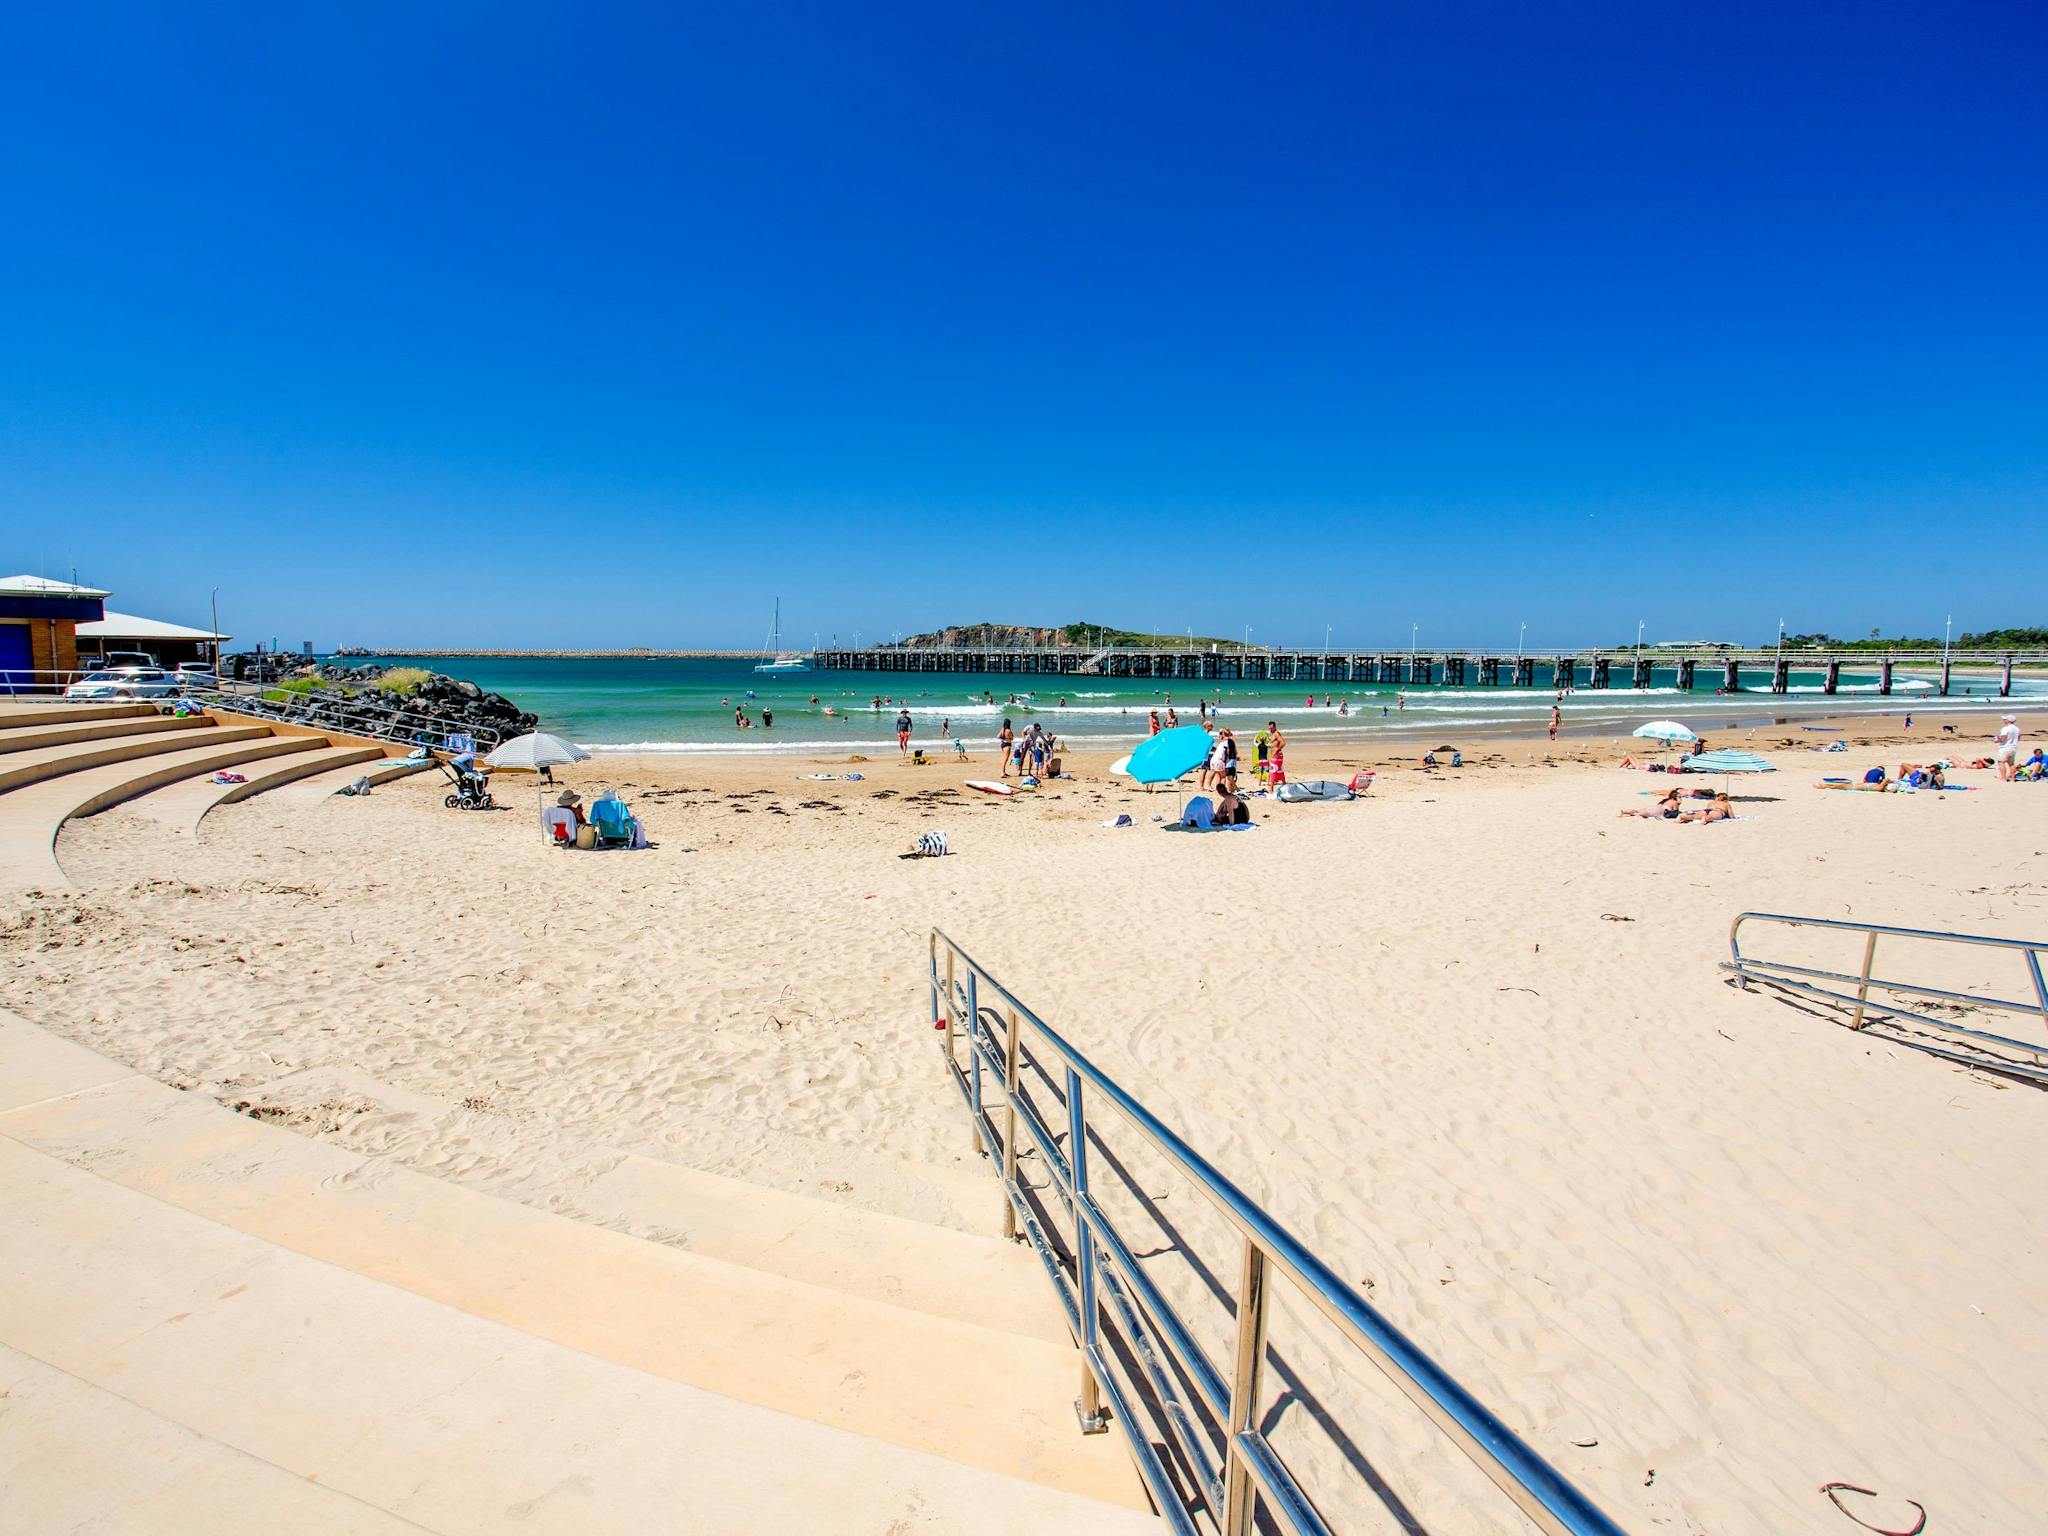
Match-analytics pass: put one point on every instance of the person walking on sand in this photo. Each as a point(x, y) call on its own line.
point(1278, 746)
point(1554, 718)
point(903, 732)
point(1006, 739)
point(2005, 747)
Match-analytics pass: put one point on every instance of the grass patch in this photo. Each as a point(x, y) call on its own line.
point(403, 679)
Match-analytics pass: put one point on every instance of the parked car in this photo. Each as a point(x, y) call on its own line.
point(126, 683)
point(197, 674)
point(119, 659)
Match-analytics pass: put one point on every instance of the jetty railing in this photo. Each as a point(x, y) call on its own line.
point(1117, 1313)
point(1852, 989)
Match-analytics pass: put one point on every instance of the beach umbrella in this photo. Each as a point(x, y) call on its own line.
point(1724, 762)
point(1162, 758)
point(534, 751)
point(1665, 730)
point(1727, 761)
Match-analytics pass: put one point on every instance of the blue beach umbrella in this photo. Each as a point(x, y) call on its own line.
point(1167, 756)
point(1727, 762)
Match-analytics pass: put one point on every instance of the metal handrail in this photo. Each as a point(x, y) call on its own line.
point(1778, 973)
point(1106, 1273)
point(323, 710)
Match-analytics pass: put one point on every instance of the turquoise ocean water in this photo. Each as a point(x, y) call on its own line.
point(686, 706)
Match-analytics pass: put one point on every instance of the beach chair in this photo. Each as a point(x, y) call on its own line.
point(613, 823)
point(560, 823)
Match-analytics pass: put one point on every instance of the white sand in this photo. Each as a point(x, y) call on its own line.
point(1622, 1201)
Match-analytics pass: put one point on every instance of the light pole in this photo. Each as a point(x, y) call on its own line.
point(1413, 631)
point(1947, 626)
point(1520, 638)
point(1247, 639)
point(1781, 642)
point(216, 632)
point(1326, 642)
point(1639, 639)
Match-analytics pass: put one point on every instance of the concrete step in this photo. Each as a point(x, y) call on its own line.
point(32, 816)
point(914, 1264)
point(75, 1457)
point(181, 807)
point(420, 1410)
point(52, 711)
point(979, 1396)
point(50, 733)
point(39, 764)
point(312, 790)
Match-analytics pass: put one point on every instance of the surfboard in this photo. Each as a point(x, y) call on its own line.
point(1121, 765)
point(990, 787)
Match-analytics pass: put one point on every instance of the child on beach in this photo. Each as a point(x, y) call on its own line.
point(1259, 763)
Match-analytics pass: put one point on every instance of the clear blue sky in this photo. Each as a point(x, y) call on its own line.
point(605, 325)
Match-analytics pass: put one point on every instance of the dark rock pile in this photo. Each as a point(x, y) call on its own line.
point(449, 703)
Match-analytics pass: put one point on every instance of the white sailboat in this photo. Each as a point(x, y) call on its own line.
point(773, 657)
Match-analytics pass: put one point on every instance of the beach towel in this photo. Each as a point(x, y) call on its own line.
point(224, 777)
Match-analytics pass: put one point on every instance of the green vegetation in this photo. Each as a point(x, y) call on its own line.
point(403, 679)
point(1986, 640)
point(1098, 635)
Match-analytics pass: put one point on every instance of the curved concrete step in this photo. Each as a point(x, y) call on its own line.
point(58, 733)
point(941, 1270)
point(182, 806)
point(75, 1457)
point(31, 817)
point(423, 1367)
point(20, 716)
point(317, 788)
point(32, 765)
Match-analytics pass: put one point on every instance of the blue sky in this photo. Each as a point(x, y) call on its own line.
point(518, 324)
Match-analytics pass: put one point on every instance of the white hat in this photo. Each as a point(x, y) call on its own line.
point(2012, 720)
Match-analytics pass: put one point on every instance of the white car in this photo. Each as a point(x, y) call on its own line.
point(196, 674)
point(126, 683)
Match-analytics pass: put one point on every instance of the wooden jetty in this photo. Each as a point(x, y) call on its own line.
point(1590, 668)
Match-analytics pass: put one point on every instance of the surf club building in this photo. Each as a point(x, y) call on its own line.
point(51, 630)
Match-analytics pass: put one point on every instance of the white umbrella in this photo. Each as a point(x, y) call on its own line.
point(534, 751)
point(1666, 730)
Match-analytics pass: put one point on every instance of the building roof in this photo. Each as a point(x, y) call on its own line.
point(42, 586)
point(129, 626)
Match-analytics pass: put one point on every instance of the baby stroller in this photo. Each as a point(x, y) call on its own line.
point(472, 788)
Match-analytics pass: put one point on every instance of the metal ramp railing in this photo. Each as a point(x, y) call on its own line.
point(1858, 985)
point(1142, 1366)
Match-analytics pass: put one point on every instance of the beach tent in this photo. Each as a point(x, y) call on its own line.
point(531, 753)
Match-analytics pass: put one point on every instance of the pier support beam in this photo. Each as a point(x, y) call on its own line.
point(1566, 671)
point(1489, 671)
point(1644, 671)
point(1602, 672)
point(1944, 679)
point(1685, 672)
point(1781, 675)
point(1454, 671)
point(1834, 679)
point(1884, 676)
point(2005, 680)
point(1525, 672)
point(1731, 676)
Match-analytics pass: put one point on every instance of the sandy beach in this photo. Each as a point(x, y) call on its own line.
point(1706, 1249)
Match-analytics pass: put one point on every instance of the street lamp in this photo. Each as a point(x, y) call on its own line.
point(1521, 637)
point(1639, 639)
point(1947, 625)
point(1247, 638)
point(1326, 641)
point(1413, 631)
point(216, 631)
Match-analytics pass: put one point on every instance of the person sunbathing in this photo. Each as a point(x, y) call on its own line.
point(1666, 808)
point(1230, 810)
point(1719, 810)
